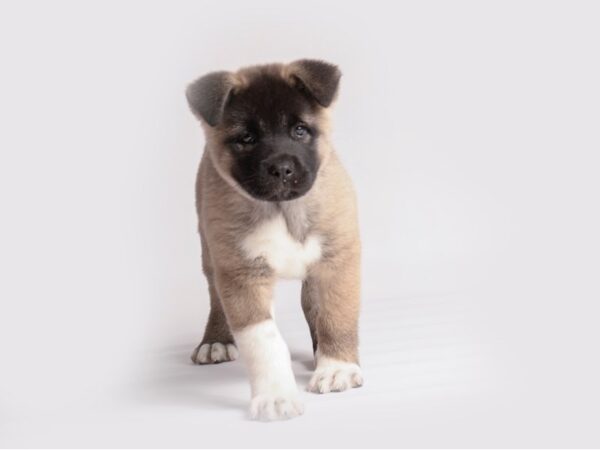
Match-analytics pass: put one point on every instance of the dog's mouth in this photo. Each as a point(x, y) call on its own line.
point(286, 195)
point(280, 195)
point(277, 192)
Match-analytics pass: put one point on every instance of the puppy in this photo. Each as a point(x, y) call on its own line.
point(274, 201)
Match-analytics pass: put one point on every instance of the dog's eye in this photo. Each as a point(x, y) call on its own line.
point(247, 138)
point(300, 131)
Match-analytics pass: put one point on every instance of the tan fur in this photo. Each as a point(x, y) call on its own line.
point(241, 289)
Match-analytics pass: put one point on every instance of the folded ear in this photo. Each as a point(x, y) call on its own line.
point(319, 78)
point(208, 95)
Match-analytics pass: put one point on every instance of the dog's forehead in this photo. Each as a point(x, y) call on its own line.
point(270, 101)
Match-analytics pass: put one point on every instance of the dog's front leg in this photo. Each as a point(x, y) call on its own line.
point(334, 292)
point(247, 300)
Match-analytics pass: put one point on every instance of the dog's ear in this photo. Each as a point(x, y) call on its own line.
point(319, 78)
point(208, 95)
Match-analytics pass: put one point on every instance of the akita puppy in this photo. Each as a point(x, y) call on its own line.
point(273, 200)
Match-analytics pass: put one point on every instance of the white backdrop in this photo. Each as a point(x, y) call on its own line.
point(471, 130)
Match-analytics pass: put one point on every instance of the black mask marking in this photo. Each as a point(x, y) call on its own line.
point(272, 136)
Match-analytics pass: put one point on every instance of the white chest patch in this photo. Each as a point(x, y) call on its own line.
point(288, 257)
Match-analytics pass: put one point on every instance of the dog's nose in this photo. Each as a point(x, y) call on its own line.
point(282, 169)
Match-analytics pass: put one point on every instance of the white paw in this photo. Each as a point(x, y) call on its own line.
point(214, 353)
point(333, 375)
point(275, 407)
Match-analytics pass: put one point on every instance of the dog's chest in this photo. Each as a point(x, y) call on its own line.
point(286, 255)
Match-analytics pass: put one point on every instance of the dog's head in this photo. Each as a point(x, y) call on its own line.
point(266, 126)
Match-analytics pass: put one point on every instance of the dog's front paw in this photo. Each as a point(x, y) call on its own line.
point(335, 376)
point(268, 407)
point(214, 353)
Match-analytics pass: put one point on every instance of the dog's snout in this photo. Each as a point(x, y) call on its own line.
point(284, 176)
point(282, 168)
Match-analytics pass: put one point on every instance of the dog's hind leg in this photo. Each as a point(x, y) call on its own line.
point(310, 308)
point(218, 344)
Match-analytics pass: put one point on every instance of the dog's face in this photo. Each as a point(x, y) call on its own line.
point(264, 125)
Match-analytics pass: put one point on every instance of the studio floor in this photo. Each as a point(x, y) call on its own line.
point(434, 376)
